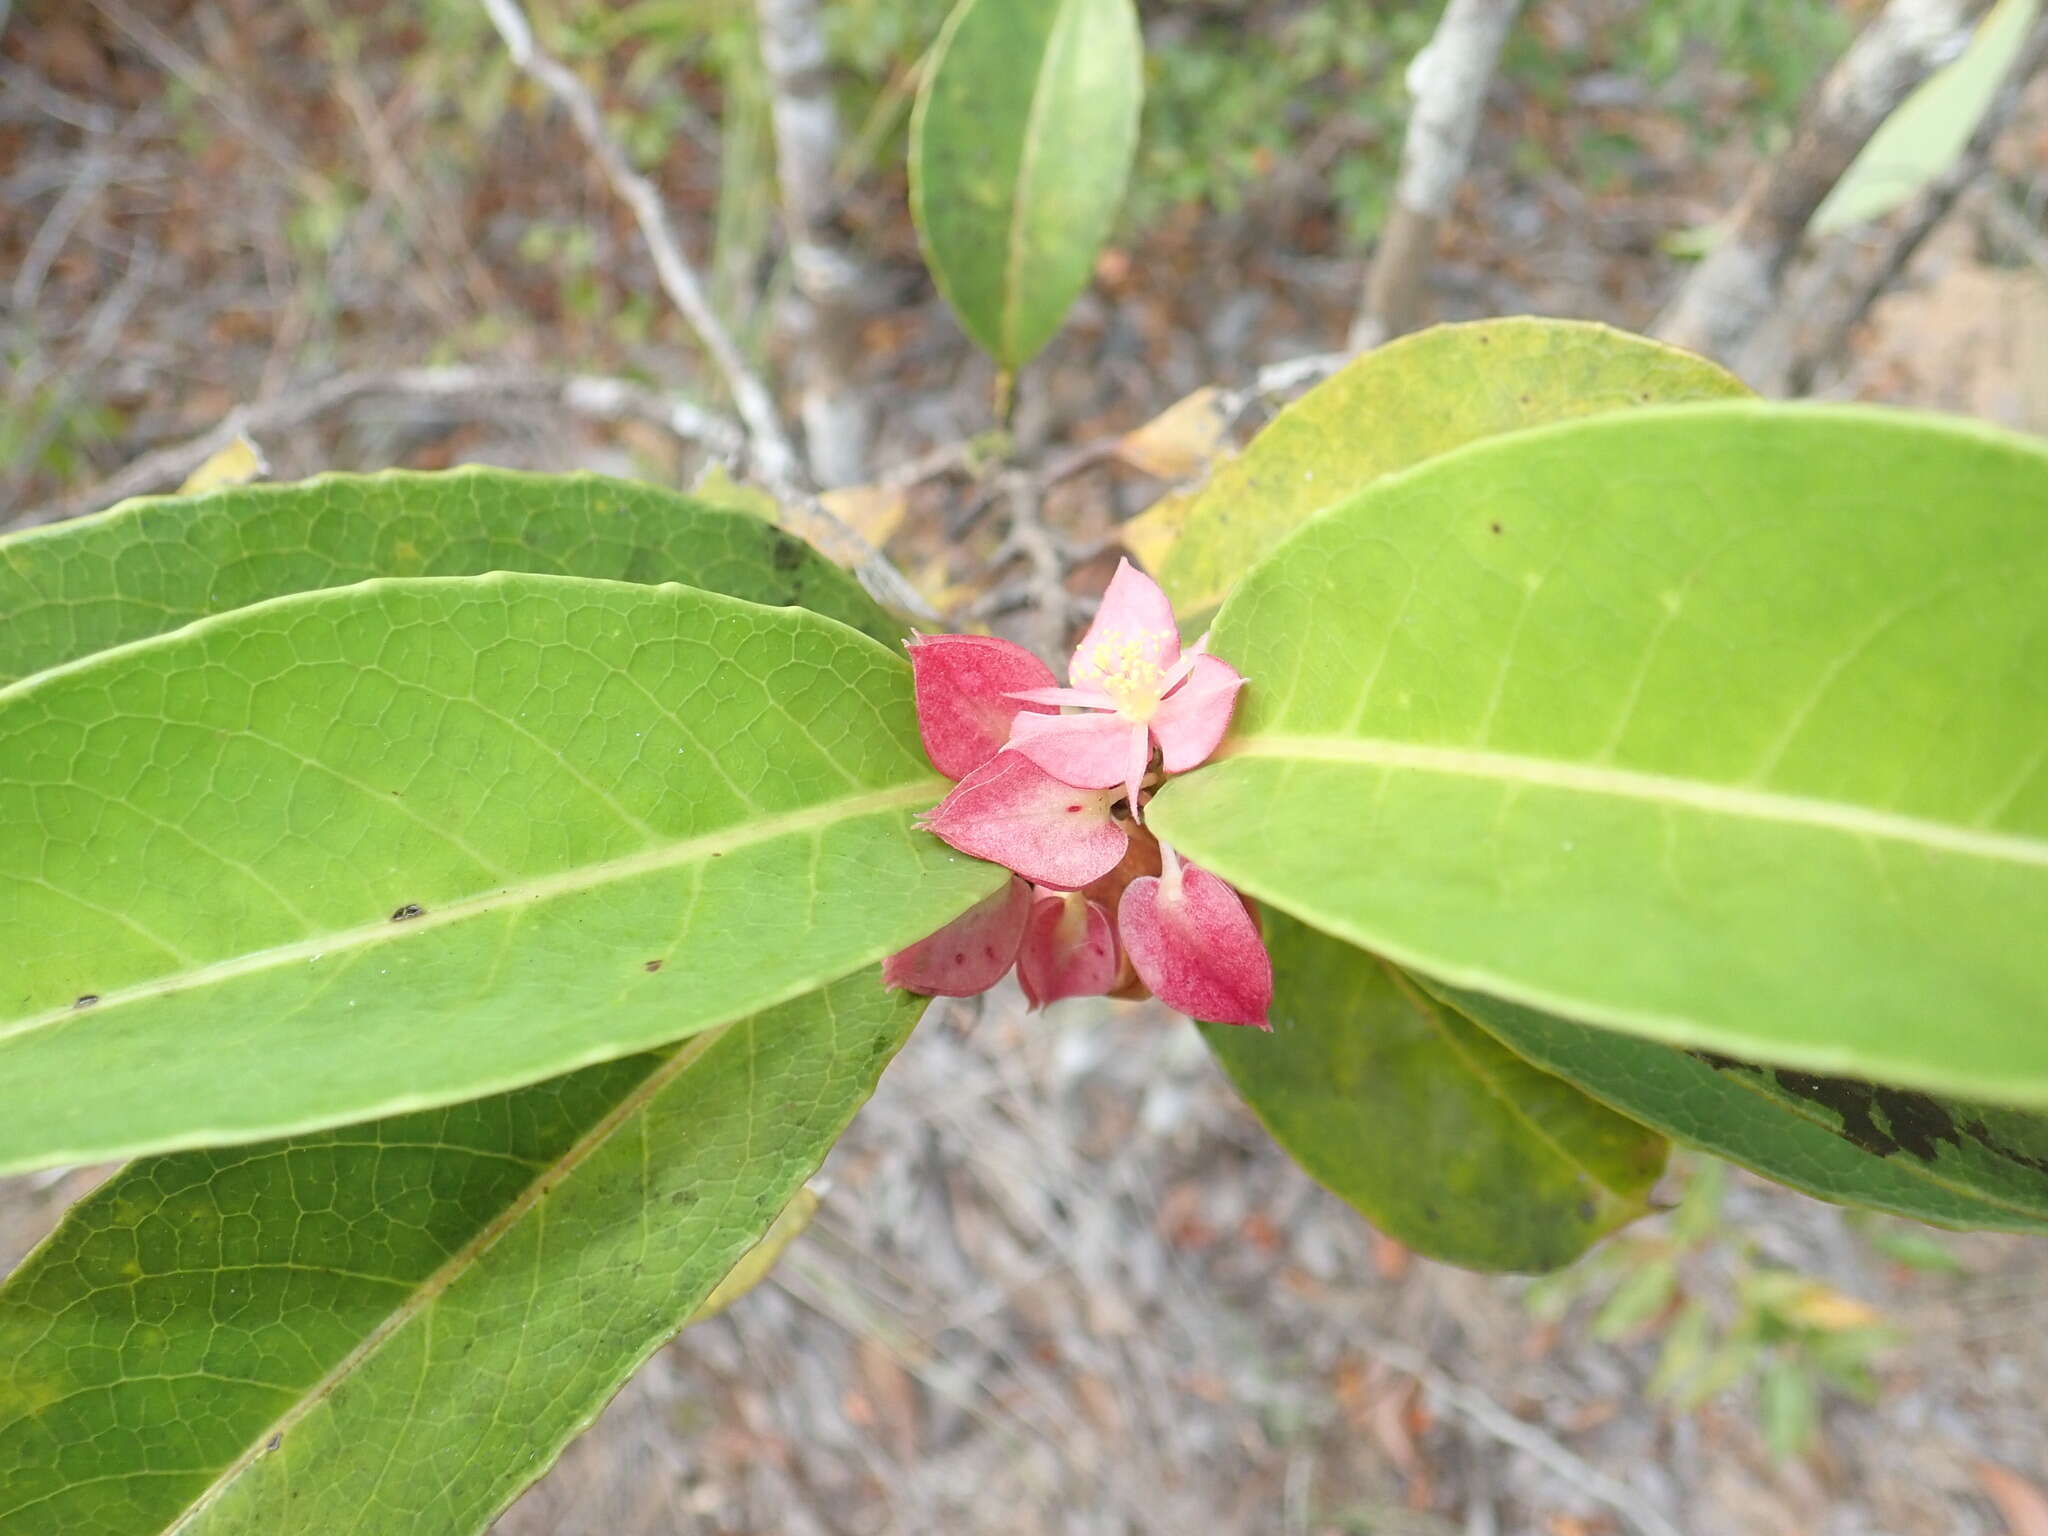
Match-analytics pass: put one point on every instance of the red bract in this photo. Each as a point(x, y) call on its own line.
point(1194, 944)
point(1069, 949)
point(968, 955)
point(964, 686)
point(1014, 813)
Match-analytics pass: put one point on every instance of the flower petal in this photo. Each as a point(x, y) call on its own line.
point(1085, 698)
point(1088, 751)
point(1191, 720)
point(1133, 626)
point(964, 687)
point(1069, 949)
point(968, 955)
point(1013, 812)
point(1194, 944)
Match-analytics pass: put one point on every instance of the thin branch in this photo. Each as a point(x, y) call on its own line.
point(771, 455)
point(774, 458)
point(1448, 80)
point(471, 389)
point(1811, 327)
point(1729, 294)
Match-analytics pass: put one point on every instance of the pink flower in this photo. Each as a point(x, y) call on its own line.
point(1134, 689)
point(1195, 945)
point(1057, 798)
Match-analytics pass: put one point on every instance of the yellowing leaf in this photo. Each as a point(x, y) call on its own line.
point(874, 512)
point(1181, 439)
point(1817, 1305)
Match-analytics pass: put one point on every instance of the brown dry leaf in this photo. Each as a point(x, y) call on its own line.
point(1181, 439)
point(874, 512)
point(2021, 1504)
point(237, 464)
point(891, 1396)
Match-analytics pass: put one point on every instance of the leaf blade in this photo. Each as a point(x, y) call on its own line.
point(1415, 398)
point(1020, 145)
point(1744, 599)
point(1423, 1123)
point(404, 843)
point(150, 565)
point(461, 1288)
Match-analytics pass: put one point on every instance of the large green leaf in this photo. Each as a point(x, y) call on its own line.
point(1439, 1135)
point(1020, 145)
point(1722, 724)
point(392, 845)
point(394, 1327)
point(147, 566)
point(1939, 1159)
point(1389, 410)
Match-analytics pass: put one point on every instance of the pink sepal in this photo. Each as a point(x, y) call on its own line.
point(1013, 812)
point(1194, 944)
point(1088, 751)
point(1135, 616)
point(1191, 720)
point(969, 954)
point(1069, 949)
point(964, 686)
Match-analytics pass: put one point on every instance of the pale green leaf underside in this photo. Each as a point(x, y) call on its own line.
point(1390, 409)
point(1722, 724)
point(1939, 1159)
point(389, 1329)
point(148, 566)
point(623, 814)
point(1019, 150)
point(1436, 1133)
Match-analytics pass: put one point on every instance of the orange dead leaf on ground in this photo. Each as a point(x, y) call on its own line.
point(874, 512)
point(1181, 439)
point(1389, 1257)
point(2020, 1503)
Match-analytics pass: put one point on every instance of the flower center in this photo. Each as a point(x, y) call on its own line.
point(1127, 669)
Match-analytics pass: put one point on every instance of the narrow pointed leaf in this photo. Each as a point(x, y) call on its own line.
point(409, 842)
point(1726, 725)
point(396, 1326)
point(147, 566)
point(1390, 409)
point(1020, 146)
point(1438, 1135)
point(1939, 1159)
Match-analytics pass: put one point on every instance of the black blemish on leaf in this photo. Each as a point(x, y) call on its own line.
point(408, 912)
point(85, 1000)
point(274, 1442)
point(1496, 527)
point(652, 966)
point(1586, 1210)
point(785, 552)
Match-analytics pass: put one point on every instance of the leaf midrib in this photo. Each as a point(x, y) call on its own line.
point(519, 893)
point(460, 1262)
point(1661, 789)
point(1027, 157)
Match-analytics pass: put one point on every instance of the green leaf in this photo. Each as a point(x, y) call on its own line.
point(1785, 1401)
point(397, 844)
point(1020, 145)
point(1928, 132)
point(1938, 1159)
point(148, 566)
point(1644, 1292)
point(1439, 1136)
point(1725, 725)
point(397, 1326)
point(1390, 409)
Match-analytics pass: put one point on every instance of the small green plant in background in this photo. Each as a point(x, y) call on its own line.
point(1730, 1321)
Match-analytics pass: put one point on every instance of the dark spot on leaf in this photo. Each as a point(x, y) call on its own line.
point(1586, 1212)
point(274, 1442)
point(652, 966)
point(959, 957)
point(1496, 527)
point(784, 551)
point(989, 950)
point(408, 912)
point(85, 1000)
point(1524, 400)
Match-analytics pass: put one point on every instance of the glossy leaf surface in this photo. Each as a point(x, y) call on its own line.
point(1726, 725)
point(1389, 410)
point(1436, 1133)
point(1020, 146)
point(394, 1327)
point(398, 844)
point(148, 566)
point(1913, 1154)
